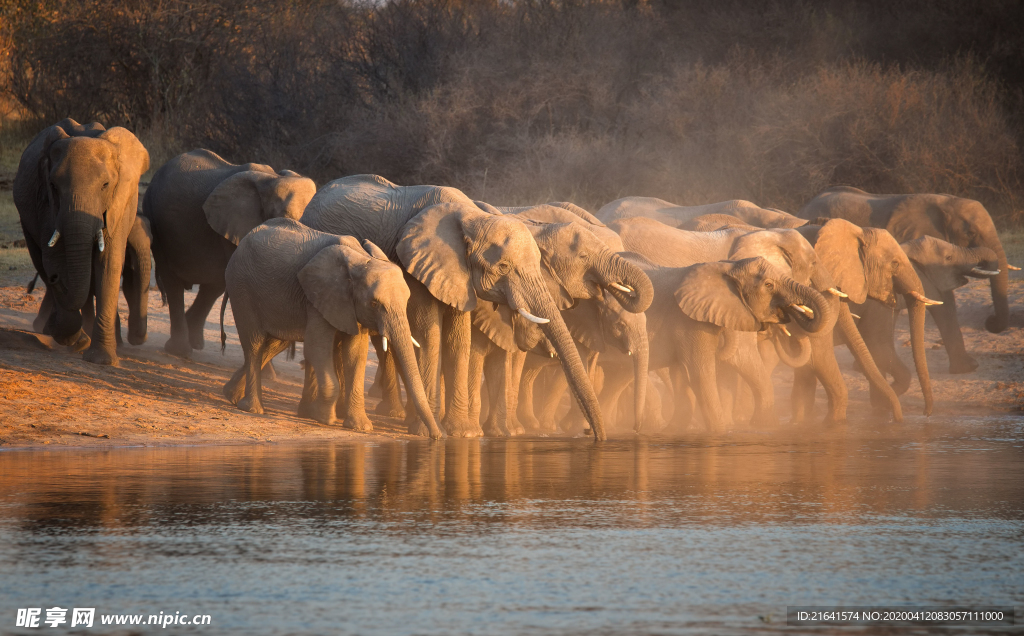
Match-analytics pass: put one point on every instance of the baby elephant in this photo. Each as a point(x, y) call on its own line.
point(288, 283)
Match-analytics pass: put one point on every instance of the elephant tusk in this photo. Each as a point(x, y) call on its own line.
point(1013, 268)
point(785, 331)
point(385, 344)
point(623, 288)
point(415, 344)
point(629, 352)
point(551, 353)
point(855, 315)
point(99, 238)
point(984, 272)
point(532, 318)
point(804, 309)
point(54, 238)
point(836, 292)
point(924, 299)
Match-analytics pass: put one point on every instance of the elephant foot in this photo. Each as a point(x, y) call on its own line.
point(389, 410)
point(233, 392)
point(195, 338)
point(494, 429)
point(250, 405)
point(457, 426)
point(965, 364)
point(994, 325)
point(78, 341)
point(305, 410)
point(99, 355)
point(269, 373)
point(136, 339)
point(358, 422)
point(834, 421)
point(178, 348)
point(899, 387)
point(516, 428)
point(420, 429)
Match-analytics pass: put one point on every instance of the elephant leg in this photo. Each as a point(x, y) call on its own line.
point(825, 369)
point(525, 407)
point(310, 390)
point(729, 390)
point(45, 309)
point(353, 351)
point(107, 267)
point(322, 390)
point(617, 379)
point(496, 423)
point(945, 318)
point(457, 345)
point(234, 389)
point(425, 323)
point(173, 289)
point(252, 348)
point(805, 384)
point(751, 368)
point(375, 390)
point(877, 330)
point(700, 358)
point(575, 422)
point(683, 398)
point(665, 375)
point(89, 314)
point(556, 386)
point(386, 381)
point(196, 315)
point(516, 360)
point(481, 347)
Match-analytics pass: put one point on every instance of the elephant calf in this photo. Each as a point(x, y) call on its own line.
point(289, 283)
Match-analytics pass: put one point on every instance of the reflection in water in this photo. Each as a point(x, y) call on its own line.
point(519, 536)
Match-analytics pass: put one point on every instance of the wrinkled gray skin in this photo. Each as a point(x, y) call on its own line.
point(677, 215)
point(135, 276)
point(457, 253)
point(200, 206)
point(290, 283)
point(868, 263)
point(942, 267)
point(790, 252)
point(694, 305)
point(83, 182)
point(962, 222)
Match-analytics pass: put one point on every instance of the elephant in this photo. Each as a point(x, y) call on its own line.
point(942, 267)
point(676, 215)
point(77, 191)
point(694, 305)
point(456, 253)
point(289, 283)
point(959, 221)
point(135, 275)
point(200, 206)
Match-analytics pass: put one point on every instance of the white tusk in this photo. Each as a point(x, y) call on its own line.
point(99, 237)
point(836, 292)
point(415, 344)
point(532, 318)
point(54, 238)
point(1013, 268)
point(785, 331)
point(855, 315)
point(622, 288)
point(984, 272)
point(385, 344)
point(804, 309)
point(924, 299)
point(552, 354)
point(629, 352)
point(799, 308)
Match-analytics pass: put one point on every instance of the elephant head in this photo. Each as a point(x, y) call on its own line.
point(868, 262)
point(746, 295)
point(138, 264)
point(962, 222)
point(943, 267)
point(356, 287)
point(87, 187)
point(461, 253)
point(248, 198)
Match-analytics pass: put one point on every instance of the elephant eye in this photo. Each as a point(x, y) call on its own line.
point(768, 285)
point(105, 185)
point(504, 267)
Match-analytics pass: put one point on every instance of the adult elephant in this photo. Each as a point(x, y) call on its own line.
point(77, 191)
point(959, 221)
point(942, 268)
point(678, 215)
point(457, 253)
point(200, 206)
point(135, 275)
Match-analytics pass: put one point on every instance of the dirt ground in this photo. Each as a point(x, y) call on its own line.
point(50, 396)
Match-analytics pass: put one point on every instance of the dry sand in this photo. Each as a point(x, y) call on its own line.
point(50, 396)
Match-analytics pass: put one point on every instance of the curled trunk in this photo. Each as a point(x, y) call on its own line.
point(916, 310)
point(622, 272)
point(795, 360)
point(824, 313)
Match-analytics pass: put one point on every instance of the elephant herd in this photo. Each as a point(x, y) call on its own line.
point(486, 314)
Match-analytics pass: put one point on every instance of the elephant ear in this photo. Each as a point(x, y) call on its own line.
point(709, 293)
point(328, 285)
point(432, 247)
point(496, 324)
point(487, 207)
point(840, 248)
point(584, 324)
point(132, 162)
point(234, 207)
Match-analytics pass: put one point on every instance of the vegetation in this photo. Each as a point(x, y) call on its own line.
point(519, 101)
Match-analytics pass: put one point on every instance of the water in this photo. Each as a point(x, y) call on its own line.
point(520, 536)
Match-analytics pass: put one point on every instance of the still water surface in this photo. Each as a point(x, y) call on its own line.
point(519, 536)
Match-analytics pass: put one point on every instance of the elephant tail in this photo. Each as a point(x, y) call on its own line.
point(32, 284)
point(223, 334)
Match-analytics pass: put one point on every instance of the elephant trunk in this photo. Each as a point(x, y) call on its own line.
point(823, 313)
point(539, 302)
point(396, 328)
point(916, 311)
point(73, 279)
point(794, 360)
point(859, 349)
point(997, 322)
point(620, 272)
point(640, 348)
